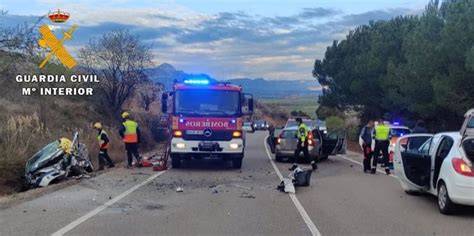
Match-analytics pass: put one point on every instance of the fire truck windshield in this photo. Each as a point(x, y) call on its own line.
point(201, 102)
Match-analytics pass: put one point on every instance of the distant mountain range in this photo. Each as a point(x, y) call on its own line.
point(260, 88)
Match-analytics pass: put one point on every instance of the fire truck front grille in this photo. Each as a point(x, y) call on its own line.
point(215, 136)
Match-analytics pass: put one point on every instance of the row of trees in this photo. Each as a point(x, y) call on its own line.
point(410, 67)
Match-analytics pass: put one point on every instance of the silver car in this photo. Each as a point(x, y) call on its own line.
point(320, 145)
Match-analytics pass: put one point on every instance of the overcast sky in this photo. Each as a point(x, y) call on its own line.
point(272, 39)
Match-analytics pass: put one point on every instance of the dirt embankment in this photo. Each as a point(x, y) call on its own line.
point(31, 122)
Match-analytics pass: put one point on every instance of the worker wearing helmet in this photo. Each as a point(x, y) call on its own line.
point(130, 133)
point(382, 142)
point(104, 144)
point(302, 135)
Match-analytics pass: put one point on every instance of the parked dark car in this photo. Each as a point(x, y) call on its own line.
point(260, 125)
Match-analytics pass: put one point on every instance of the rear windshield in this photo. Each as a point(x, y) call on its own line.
point(292, 123)
point(288, 134)
point(468, 146)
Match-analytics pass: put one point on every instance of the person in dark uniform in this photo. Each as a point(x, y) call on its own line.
point(419, 128)
point(271, 137)
point(366, 140)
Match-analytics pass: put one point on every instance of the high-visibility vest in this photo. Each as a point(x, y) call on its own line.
point(99, 138)
point(130, 135)
point(382, 132)
point(302, 132)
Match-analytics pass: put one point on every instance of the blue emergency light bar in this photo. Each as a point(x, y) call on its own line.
point(196, 81)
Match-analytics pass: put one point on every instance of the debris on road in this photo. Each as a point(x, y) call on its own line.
point(297, 177)
point(247, 195)
point(242, 187)
point(179, 190)
point(286, 186)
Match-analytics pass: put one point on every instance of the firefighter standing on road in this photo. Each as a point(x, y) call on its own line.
point(302, 136)
point(130, 132)
point(104, 144)
point(382, 142)
point(366, 142)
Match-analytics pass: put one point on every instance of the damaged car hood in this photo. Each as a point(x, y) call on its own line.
point(45, 156)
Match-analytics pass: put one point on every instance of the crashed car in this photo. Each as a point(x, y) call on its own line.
point(57, 161)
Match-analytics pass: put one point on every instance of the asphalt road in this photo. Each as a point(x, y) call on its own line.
point(219, 200)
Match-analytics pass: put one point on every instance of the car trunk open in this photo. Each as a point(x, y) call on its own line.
point(467, 132)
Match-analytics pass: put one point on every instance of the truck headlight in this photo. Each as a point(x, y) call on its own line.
point(180, 145)
point(234, 145)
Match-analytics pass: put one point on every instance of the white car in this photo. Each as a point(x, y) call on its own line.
point(440, 164)
point(247, 127)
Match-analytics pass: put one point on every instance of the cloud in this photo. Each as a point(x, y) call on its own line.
point(227, 44)
point(318, 12)
point(364, 18)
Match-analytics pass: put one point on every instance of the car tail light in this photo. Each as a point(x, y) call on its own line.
point(310, 139)
point(278, 140)
point(236, 134)
point(177, 133)
point(461, 167)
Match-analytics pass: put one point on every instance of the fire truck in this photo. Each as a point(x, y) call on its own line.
point(205, 120)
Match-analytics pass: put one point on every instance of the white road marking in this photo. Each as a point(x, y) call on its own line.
point(96, 211)
point(361, 164)
point(296, 202)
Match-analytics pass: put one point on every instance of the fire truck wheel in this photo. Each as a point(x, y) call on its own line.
point(237, 163)
point(175, 162)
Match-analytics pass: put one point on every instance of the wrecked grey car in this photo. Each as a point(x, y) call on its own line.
point(57, 161)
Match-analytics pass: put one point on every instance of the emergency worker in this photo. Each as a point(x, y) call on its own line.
point(130, 133)
point(382, 142)
point(271, 137)
point(302, 135)
point(104, 144)
point(366, 141)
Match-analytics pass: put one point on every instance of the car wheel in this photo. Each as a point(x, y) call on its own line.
point(445, 205)
point(278, 158)
point(175, 162)
point(237, 163)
